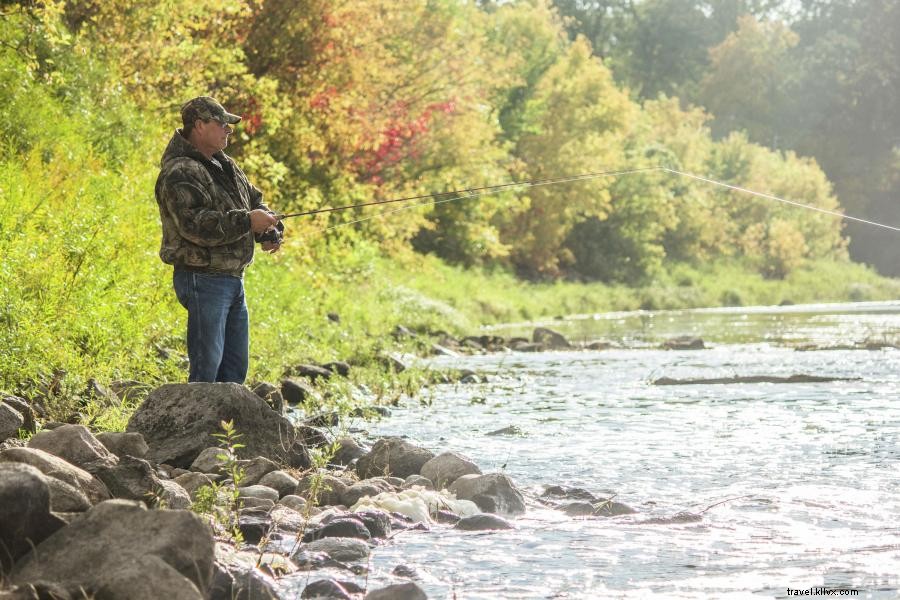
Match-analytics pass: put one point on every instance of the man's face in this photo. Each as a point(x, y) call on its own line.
point(213, 134)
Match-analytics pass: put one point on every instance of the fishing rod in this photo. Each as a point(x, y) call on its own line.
point(461, 194)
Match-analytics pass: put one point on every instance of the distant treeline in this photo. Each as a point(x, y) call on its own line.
point(346, 101)
point(819, 77)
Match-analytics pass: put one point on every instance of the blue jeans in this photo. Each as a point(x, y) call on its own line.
point(218, 335)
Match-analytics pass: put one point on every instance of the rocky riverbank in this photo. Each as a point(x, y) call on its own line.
point(213, 492)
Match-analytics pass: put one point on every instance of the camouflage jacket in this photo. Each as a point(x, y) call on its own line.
point(205, 211)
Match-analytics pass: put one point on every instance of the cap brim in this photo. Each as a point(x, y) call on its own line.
point(231, 119)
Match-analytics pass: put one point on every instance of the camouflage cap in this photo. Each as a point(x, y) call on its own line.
point(206, 108)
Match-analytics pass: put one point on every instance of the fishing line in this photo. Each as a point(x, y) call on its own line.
point(428, 199)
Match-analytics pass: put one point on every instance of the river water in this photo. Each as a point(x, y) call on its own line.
point(809, 472)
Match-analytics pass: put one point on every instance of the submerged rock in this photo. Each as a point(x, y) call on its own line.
point(398, 591)
point(684, 342)
point(483, 522)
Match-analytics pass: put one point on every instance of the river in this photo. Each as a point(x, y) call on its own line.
point(808, 472)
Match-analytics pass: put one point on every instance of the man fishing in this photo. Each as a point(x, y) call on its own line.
point(212, 216)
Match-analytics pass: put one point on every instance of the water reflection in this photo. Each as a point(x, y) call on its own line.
point(808, 472)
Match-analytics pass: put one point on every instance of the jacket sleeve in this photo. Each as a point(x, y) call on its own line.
point(191, 208)
point(256, 202)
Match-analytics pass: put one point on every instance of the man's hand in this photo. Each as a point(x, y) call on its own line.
point(270, 247)
point(261, 221)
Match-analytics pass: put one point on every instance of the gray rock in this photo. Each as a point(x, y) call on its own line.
point(341, 526)
point(174, 496)
point(393, 456)
point(124, 444)
point(208, 460)
point(446, 468)
point(271, 395)
point(256, 468)
point(131, 479)
point(398, 591)
point(378, 522)
point(57, 468)
point(405, 571)
point(287, 519)
point(339, 367)
point(297, 391)
point(608, 508)
point(66, 498)
point(147, 578)
point(578, 508)
point(115, 535)
point(24, 408)
point(281, 482)
point(509, 430)
point(254, 525)
point(355, 492)
point(438, 350)
point(483, 522)
point(263, 504)
point(549, 338)
point(25, 517)
point(685, 342)
point(258, 491)
point(311, 372)
point(417, 480)
point(11, 421)
point(77, 445)
point(347, 451)
point(321, 490)
point(339, 548)
point(191, 482)
point(294, 502)
point(326, 588)
point(177, 421)
point(493, 493)
point(237, 578)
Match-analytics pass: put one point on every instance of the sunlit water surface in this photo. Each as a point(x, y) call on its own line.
point(813, 468)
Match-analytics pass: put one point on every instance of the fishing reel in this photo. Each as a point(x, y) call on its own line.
point(274, 235)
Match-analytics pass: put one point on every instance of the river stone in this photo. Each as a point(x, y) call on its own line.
point(258, 491)
point(236, 576)
point(66, 498)
point(124, 444)
point(342, 526)
point(393, 456)
point(340, 367)
point(359, 490)
point(326, 588)
point(281, 482)
point(23, 408)
point(446, 468)
point(493, 493)
point(294, 503)
point(178, 420)
point(608, 508)
point(549, 338)
point(482, 522)
point(11, 421)
point(398, 591)
point(77, 445)
point(113, 536)
point(297, 391)
point(263, 504)
point(271, 395)
point(347, 451)
point(684, 342)
point(173, 496)
point(254, 525)
point(191, 482)
point(57, 468)
point(378, 522)
point(311, 372)
point(324, 490)
point(208, 460)
point(287, 519)
point(147, 578)
point(417, 480)
point(578, 508)
point(25, 517)
point(255, 468)
point(339, 548)
point(131, 479)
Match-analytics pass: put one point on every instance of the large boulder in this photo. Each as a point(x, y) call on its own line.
point(57, 468)
point(177, 421)
point(393, 456)
point(77, 445)
point(147, 578)
point(98, 552)
point(494, 493)
point(25, 517)
point(549, 338)
point(446, 468)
